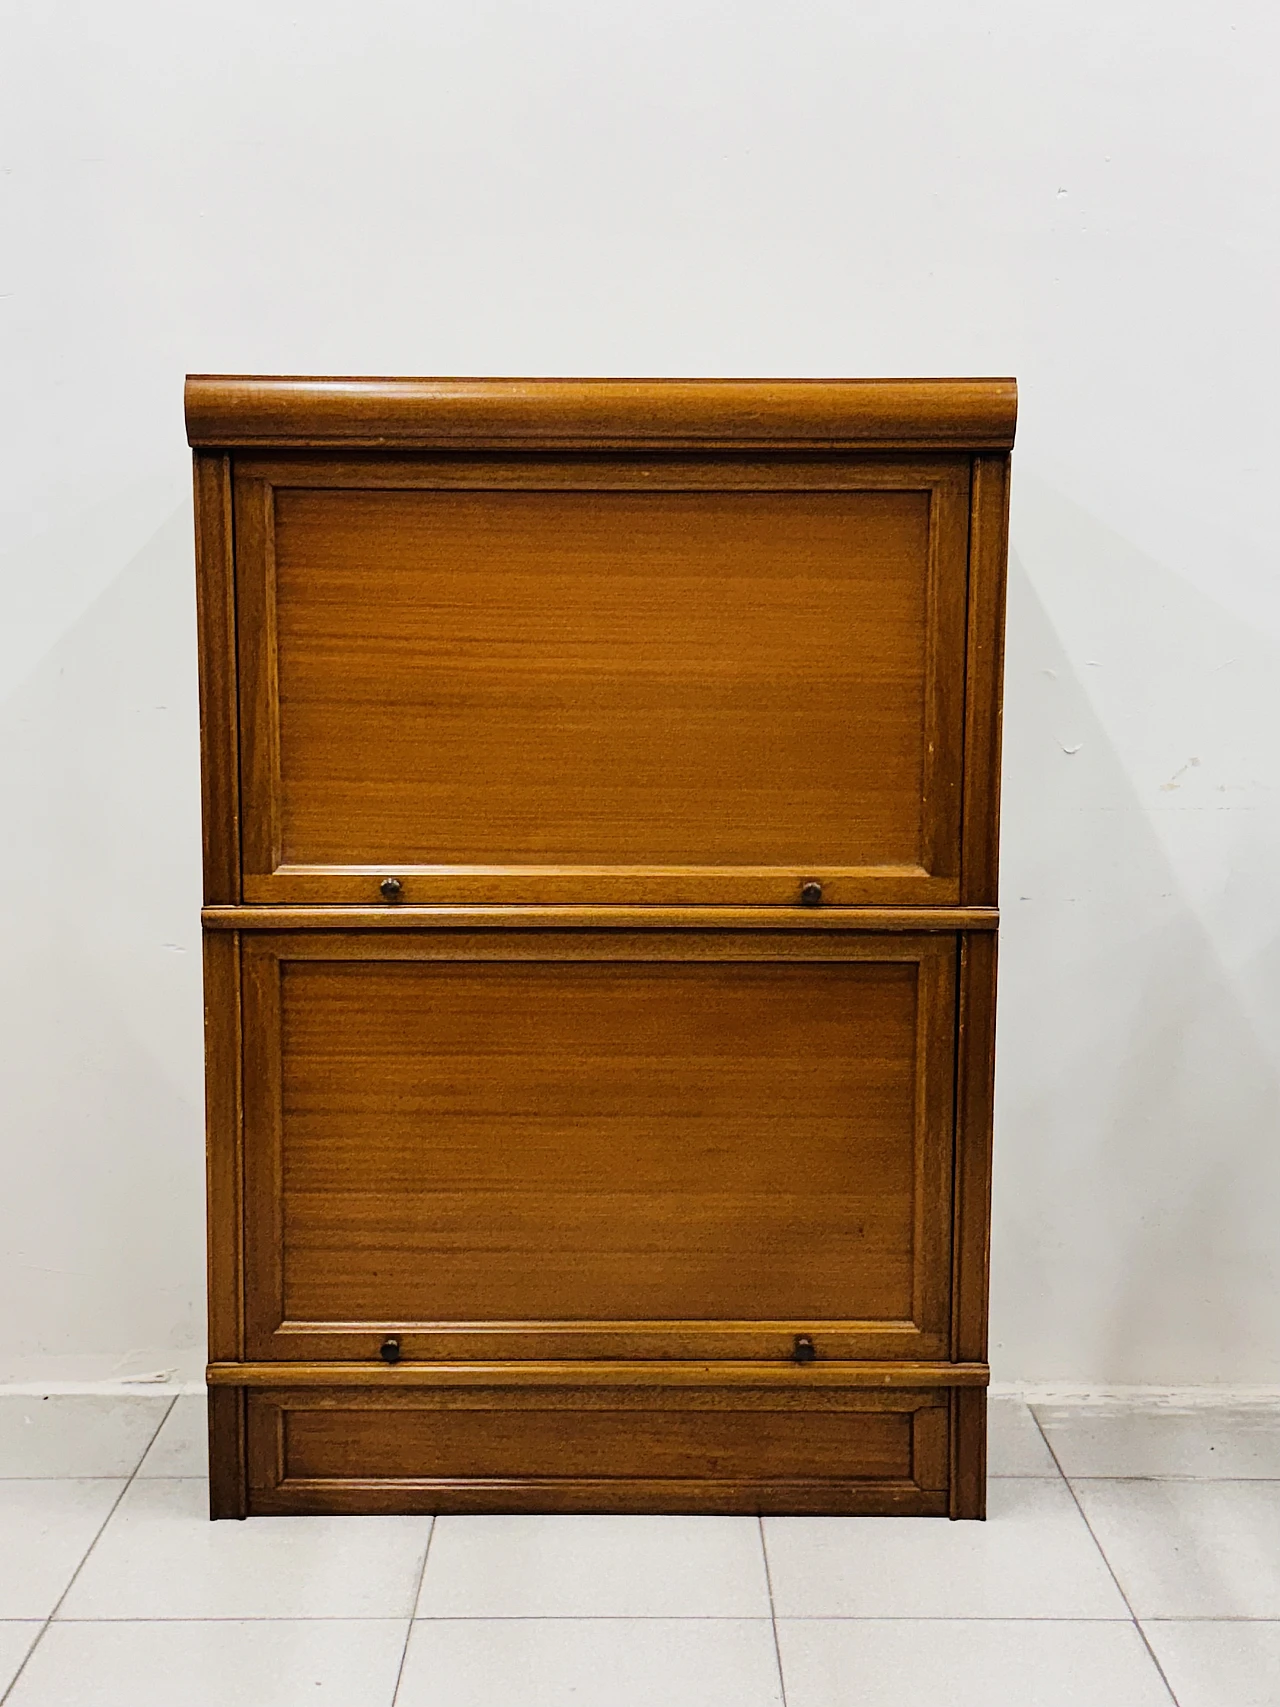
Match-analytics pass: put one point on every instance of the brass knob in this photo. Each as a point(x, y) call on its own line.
point(391, 888)
point(811, 893)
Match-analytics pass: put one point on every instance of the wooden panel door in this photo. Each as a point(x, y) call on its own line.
point(605, 680)
point(533, 1144)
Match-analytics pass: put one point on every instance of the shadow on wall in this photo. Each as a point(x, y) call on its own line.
point(1137, 1164)
point(101, 1229)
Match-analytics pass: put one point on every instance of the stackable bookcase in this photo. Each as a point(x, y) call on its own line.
point(600, 805)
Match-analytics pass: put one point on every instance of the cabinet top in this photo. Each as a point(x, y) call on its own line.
point(225, 411)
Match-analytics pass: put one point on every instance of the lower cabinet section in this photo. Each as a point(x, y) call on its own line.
point(583, 1219)
point(601, 1447)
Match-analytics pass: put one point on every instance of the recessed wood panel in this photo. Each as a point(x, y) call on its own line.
point(573, 678)
point(667, 690)
point(563, 1140)
point(543, 1145)
point(613, 1449)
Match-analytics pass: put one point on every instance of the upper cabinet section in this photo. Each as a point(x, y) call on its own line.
point(601, 642)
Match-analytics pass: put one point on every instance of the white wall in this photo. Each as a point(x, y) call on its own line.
point(1082, 194)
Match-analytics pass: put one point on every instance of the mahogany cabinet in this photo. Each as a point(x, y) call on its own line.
point(600, 804)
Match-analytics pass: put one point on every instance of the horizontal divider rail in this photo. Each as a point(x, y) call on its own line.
point(396, 917)
point(651, 1373)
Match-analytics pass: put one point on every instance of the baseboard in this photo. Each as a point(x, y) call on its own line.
point(158, 1374)
point(145, 1388)
point(1149, 1395)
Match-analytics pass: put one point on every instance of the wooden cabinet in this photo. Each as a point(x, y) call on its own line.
point(600, 787)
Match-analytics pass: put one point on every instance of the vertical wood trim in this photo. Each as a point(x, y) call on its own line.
point(940, 826)
point(931, 1446)
point(259, 681)
point(264, 1183)
point(988, 567)
point(932, 1233)
point(968, 1452)
point(975, 1086)
point(216, 627)
point(228, 1458)
point(224, 1141)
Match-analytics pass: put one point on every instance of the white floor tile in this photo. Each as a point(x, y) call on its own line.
point(219, 1664)
point(46, 1528)
point(1033, 1558)
point(599, 1662)
point(160, 1557)
point(1147, 1440)
point(15, 1645)
point(76, 1434)
point(601, 1567)
point(1190, 1549)
point(1015, 1446)
point(966, 1663)
point(182, 1446)
point(1219, 1665)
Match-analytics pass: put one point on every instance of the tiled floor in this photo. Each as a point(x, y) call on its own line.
point(1131, 1559)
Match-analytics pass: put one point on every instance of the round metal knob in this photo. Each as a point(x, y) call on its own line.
point(391, 888)
point(811, 894)
point(389, 1351)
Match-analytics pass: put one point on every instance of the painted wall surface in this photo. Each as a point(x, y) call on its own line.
point(1083, 195)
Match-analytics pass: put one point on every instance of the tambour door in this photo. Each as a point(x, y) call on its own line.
point(597, 1143)
point(668, 679)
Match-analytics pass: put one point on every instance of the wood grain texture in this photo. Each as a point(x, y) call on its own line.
point(988, 569)
point(219, 714)
point(225, 410)
point(258, 664)
point(968, 1477)
point(402, 918)
point(566, 1448)
point(228, 1453)
point(669, 695)
point(224, 1144)
point(587, 680)
point(571, 1155)
point(975, 1098)
point(600, 1372)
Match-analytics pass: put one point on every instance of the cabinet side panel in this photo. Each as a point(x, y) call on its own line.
point(228, 1473)
point(945, 667)
point(968, 1496)
point(224, 1129)
point(988, 559)
point(219, 734)
point(975, 1084)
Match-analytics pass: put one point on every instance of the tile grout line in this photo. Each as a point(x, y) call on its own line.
point(84, 1557)
point(485, 1618)
point(413, 1608)
point(1133, 1617)
point(1178, 1481)
point(773, 1611)
point(653, 1618)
